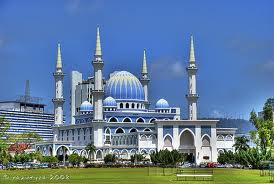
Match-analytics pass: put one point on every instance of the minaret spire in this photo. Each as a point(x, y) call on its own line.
point(98, 50)
point(145, 79)
point(192, 96)
point(59, 59)
point(58, 101)
point(144, 68)
point(191, 52)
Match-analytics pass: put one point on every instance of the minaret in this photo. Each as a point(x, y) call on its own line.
point(98, 91)
point(59, 100)
point(192, 96)
point(145, 79)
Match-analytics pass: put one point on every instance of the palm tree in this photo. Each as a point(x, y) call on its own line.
point(90, 148)
point(241, 143)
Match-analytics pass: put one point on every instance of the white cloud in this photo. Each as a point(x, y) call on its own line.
point(217, 114)
point(168, 68)
point(268, 66)
point(1, 42)
point(75, 6)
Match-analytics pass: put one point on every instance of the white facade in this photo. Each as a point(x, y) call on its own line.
point(119, 120)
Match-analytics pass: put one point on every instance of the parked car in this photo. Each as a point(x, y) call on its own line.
point(228, 165)
point(203, 165)
point(220, 166)
point(211, 164)
point(44, 165)
point(26, 165)
point(19, 165)
point(186, 164)
point(61, 164)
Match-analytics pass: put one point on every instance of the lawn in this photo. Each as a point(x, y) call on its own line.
point(123, 176)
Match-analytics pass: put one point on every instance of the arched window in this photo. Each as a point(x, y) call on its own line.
point(127, 120)
point(167, 141)
point(120, 131)
point(152, 120)
point(140, 120)
point(107, 136)
point(229, 138)
point(206, 141)
point(121, 106)
point(143, 137)
point(127, 105)
point(220, 138)
point(133, 105)
point(147, 130)
point(113, 119)
point(137, 106)
point(133, 130)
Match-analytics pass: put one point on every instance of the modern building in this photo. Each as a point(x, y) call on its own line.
point(27, 117)
point(116, 117)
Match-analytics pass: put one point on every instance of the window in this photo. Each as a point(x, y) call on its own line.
point(112, 119)
point(140, 120)
point(107, 136)
point(119, 131)
point(133, 105)
point(133, 130)
point(121, 106)
point(152, 120)
point(127, 105)
point(127, 120)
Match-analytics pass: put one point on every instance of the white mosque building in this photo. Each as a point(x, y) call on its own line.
point(114, 115)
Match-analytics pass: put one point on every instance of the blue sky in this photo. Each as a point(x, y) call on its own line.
point(234, 47)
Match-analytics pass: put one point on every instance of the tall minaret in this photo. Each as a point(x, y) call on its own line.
point(145, 79)
point(192, 96)
point(59, 100)
point(98, 91)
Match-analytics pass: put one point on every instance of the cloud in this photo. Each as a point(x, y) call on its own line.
point(217, 114)
point(3, 41)
point(76, 6)
point(247, 45)
point(268, 66)
point(167, 68)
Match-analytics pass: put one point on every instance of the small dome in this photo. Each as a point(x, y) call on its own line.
point(86, 107)
point(110, 102)
point(161, 104)
point(125, 86)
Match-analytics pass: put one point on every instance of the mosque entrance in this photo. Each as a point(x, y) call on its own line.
point(187, 145)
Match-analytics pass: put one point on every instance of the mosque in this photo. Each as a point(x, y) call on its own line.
point(115, 116)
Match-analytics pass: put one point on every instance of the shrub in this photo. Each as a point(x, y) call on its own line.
point(109, 158)
point(136, 158)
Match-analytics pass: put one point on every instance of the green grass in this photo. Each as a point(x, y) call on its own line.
point(126, 176)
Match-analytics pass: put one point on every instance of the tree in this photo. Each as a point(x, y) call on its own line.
point(136, 158)
point(90, 148)
point(167, 158)
point(110, 158)
point(251, 156)
point(241, 143)
point(49, 159)
point(75, 159)
point(264, 134)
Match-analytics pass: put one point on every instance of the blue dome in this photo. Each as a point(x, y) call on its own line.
point(162, 104)
point(86, 107)
point(110, 102)
point(125, 86)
